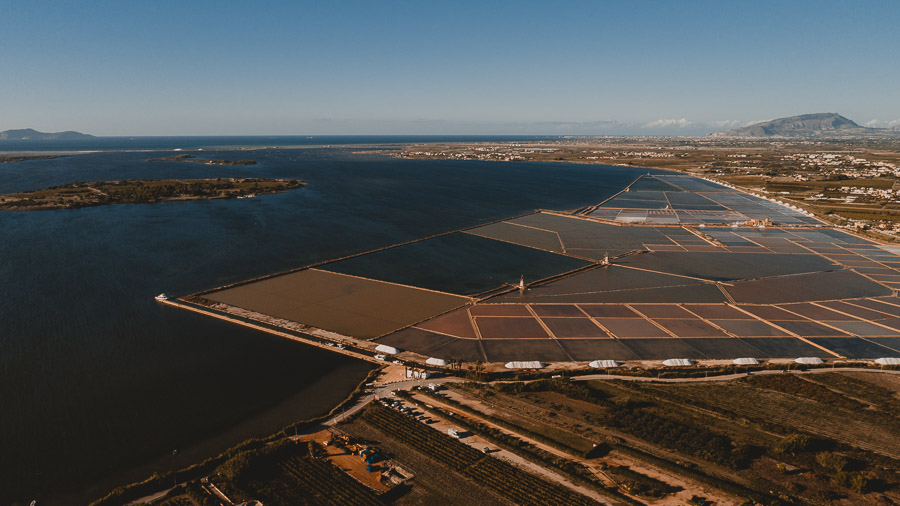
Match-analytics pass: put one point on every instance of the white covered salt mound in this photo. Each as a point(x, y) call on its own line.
point(604, 364)
point(534, 364)
point(676, 362)
point(390, 350)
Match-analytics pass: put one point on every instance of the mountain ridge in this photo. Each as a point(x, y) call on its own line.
point(818, 125)
point(32, 134)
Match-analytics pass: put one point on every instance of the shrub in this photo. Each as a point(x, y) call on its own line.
point(831, 461)
point(794, 444)
point(859, 484)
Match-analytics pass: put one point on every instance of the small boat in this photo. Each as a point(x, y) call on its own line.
point(161, 297)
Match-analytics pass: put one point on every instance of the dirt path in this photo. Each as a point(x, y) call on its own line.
point(730, 377)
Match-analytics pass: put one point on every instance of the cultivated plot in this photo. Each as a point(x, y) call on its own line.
point(672, 291)
point(524, 235)
point(518, 327)
point(458, 263)
point(662, 349)
point(619, 284)
point(805, 287)
point(525, 349)
point(726, 266)
point(593, 349)
point(348, 305)
point(648, 331)
point(686, 290)
point(854, 347)
point(692, 201)
point(569, 328)
point(719, 349)
point(581, 237)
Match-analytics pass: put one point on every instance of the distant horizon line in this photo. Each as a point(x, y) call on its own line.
point(353, 135)
point(661, 128)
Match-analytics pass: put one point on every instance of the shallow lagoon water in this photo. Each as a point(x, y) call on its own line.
point(458, 263)
point(97, 379)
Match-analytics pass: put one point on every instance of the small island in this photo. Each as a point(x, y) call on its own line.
point(25, 158)
point(30, 134)
point(145, 191)
point(193, 159)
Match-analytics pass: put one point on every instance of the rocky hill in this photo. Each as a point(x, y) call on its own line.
point(32, 134)
point(821, 125)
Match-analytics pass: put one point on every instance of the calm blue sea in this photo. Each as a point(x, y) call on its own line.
point(99, 384)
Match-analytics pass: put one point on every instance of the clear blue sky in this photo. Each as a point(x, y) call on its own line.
point(384, 67)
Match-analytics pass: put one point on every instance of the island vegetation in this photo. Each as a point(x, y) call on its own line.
point(191, 158)
point(74, 195)
point(25, 158)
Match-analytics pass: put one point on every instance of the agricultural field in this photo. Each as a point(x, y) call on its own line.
point(815, 438)
point(822, 437)
point(434, 483)
point(287, 473)
point(498, 476)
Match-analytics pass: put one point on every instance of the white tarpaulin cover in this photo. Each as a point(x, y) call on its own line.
point(673, 362)
point(887, 361)
point(809, 360)
point(436, 361)
point(745, 361)
point(604, 364)
point(534, 364)
point(383, 348)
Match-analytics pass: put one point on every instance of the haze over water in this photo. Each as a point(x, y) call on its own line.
point(97, 378)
